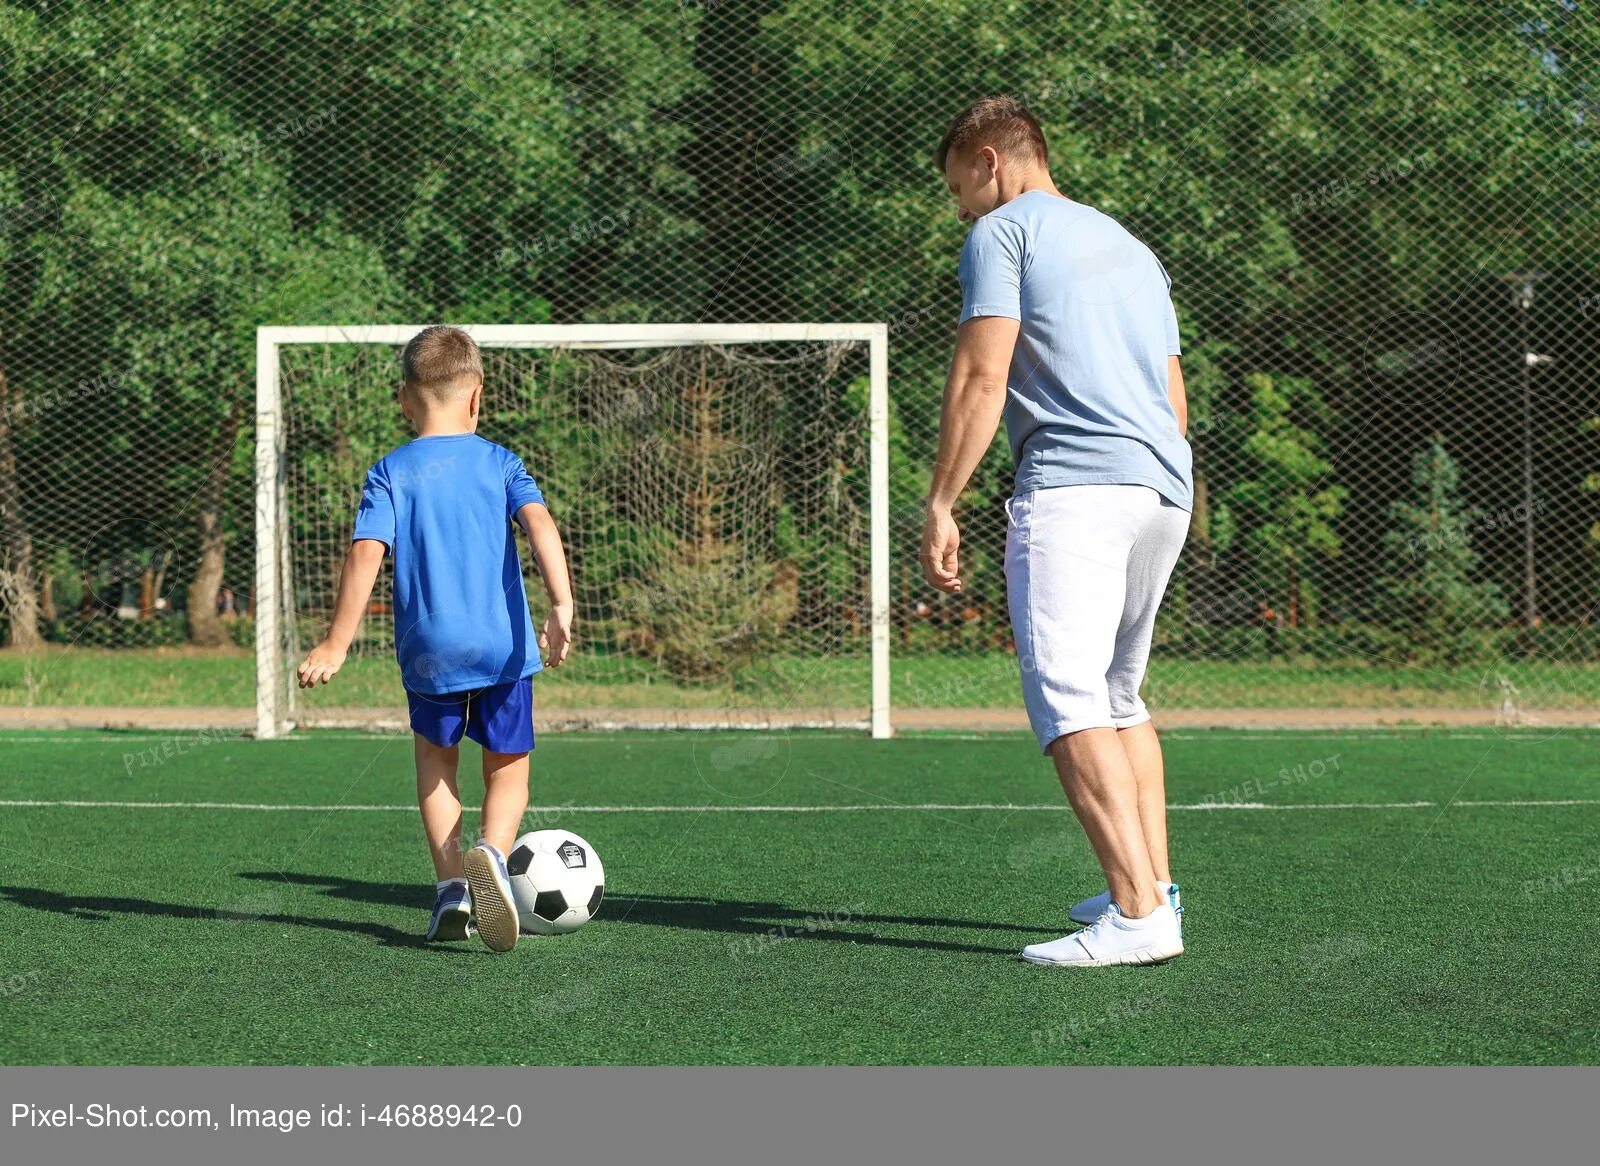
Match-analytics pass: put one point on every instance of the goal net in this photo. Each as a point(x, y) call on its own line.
point(721, 494)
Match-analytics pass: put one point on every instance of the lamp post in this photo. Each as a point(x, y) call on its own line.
point(1522, 291)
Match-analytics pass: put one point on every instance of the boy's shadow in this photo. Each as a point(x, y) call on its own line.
point(762, 921)
point(758, 922)
point(243, 910)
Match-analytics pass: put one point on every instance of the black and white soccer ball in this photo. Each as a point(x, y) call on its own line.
point(556, 880)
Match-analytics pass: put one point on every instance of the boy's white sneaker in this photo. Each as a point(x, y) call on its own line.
point(1113, 939)
point(452, 914)
point(1095, 906)
point(492, 904)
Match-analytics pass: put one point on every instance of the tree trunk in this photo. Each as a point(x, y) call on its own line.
point(1294, 594)
point(16, 545)
point(206, 628)
point(1200, 521)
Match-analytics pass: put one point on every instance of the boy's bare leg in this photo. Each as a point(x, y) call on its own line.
point(505, 797)
point(1143, 748)
point(1099, 782)
point(440, 802)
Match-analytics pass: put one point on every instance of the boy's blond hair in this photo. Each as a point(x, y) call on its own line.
point(442, 362)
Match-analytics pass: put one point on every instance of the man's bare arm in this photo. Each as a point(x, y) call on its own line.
point(1177, 395)
point(974, 397)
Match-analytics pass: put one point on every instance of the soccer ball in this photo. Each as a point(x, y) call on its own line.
point(556, 880)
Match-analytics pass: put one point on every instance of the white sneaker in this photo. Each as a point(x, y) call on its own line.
point(1114, 939)
point(1095, 906)
point(492, 905)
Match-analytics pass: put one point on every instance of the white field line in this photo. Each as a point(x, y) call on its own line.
point(943, 807)
point(114, 736)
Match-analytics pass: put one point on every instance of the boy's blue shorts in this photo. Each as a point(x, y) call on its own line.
point(500, 717)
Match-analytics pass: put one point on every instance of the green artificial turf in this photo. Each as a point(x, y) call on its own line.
point(1447, 933)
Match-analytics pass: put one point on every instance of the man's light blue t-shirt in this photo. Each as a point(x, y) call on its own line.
point(1087, 394)
point(444, 507)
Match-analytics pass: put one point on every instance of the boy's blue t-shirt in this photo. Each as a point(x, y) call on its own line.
point(444, 508)
point(1087, 393)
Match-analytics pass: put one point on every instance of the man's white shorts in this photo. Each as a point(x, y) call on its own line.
point(1086, 567)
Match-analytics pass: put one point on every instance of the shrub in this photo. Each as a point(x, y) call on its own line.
point(105, 630)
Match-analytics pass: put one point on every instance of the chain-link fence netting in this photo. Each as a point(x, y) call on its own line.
point(1378, 216)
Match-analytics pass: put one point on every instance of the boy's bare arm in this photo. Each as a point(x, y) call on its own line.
point(360, 572)
point(556, 635)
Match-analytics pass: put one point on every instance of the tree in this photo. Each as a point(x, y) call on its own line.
point(190, 284)
point(714, 593)
point(1288, 507)
point(1434, 609)
point(1317, 181)
point(1589, 486)
point(18, 587)
point(209, 167)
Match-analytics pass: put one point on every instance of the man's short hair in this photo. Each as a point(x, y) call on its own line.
point(1001, 122)
point(440, 359)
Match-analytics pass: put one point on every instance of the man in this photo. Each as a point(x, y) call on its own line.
point(1067, 331)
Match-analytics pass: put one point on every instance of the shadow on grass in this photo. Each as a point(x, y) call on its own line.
point(99, 909)
point(756, 925)
point(760, 922)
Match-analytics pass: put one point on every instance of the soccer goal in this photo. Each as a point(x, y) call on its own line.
point(722, 491)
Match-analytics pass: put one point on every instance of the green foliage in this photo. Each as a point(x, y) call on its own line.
point(107, 631)
point(706, 609)
point(241, 630)
point(1589, 486)
point(179, 172)
point(712, 595)
point(1434, 609)
point(1285, 499)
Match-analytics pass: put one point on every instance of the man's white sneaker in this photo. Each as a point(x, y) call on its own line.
point(1090, 909)
point(1113, 939)
point(1095, 906)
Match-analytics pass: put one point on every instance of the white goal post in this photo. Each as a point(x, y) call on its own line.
point(273, 578)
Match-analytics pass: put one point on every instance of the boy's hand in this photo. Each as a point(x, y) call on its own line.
point(555, 638)
point(321, 664)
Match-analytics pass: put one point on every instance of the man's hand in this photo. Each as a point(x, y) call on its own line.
point(321, 664)
point(940, 540)
point(555, 638)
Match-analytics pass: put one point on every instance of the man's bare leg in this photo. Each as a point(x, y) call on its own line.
point(1143, 749)
point(1100, 784)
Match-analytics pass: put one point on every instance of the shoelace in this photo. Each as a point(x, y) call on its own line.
point(1091, 933)
point(1111, 910)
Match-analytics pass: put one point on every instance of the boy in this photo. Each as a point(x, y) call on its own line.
point(443, 505)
